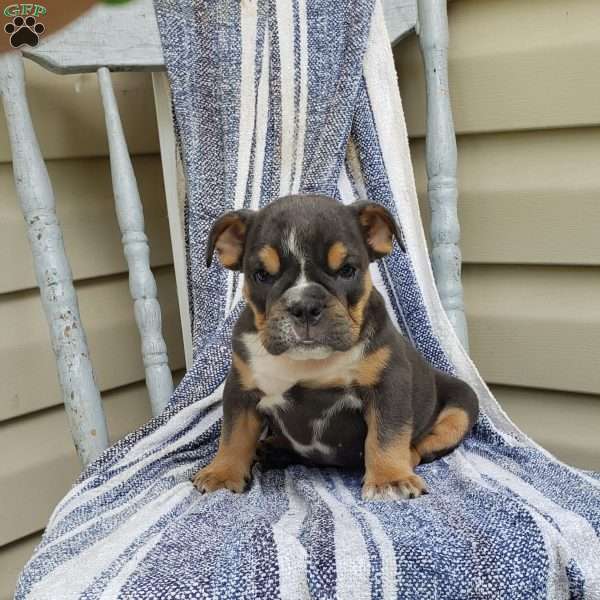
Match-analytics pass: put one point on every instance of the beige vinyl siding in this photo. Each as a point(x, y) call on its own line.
point(524, 83)
point(553, 417)
point(107, 314)
point(513, 66)
point(85, 202)
point(526, 197)
point(38, 462)
point(68, 117)
point(13, 557)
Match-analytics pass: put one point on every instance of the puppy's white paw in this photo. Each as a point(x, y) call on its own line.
point(411, 486)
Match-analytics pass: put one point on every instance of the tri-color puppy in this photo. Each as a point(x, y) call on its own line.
point(316, 358)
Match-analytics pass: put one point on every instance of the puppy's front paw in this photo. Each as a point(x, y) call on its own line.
point(410, 486)
point(219, 476)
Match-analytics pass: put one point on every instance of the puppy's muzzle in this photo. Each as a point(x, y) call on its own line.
point(306, 305)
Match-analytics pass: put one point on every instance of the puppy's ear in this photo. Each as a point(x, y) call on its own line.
point(379, 228)
point(228, 236)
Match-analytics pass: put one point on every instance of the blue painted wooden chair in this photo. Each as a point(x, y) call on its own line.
point(99, 42)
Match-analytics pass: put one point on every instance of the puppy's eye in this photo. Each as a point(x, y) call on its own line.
point(347, 272)
point(262, 276)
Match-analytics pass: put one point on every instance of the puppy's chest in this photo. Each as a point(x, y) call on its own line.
point(303, 393)
point(311, 403)
point(275, 375)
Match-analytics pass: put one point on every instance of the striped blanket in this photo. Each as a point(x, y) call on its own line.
point(273, 97)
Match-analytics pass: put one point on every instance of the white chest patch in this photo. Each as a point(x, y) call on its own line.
point(273, 403)
point(275, 375)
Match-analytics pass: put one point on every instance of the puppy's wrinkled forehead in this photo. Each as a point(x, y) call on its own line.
point(313, 229)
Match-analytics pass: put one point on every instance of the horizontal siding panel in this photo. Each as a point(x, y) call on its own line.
point(39, 462)
point(535, 326)
point(68, 118)
point(85, 207)
point(565, 424)
point(525, 197)
point(513, 65)
point(27, 366)
point(12, 560)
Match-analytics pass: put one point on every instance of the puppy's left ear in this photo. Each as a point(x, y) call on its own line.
point(379, 228)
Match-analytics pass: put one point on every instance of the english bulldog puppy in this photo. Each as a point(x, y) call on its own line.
point(317, 362)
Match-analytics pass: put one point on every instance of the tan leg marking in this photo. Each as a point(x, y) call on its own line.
point(388, 470)
point(336, 255)
point(368, 371)
point(230, 468)
point(415, 457)
point(449, 429)
point(244, 372)
point(270, 259)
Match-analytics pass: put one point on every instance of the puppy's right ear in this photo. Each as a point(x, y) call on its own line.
point(228, 236)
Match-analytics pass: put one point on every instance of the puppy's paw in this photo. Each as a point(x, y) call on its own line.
point(410, 486)
point(215, 477)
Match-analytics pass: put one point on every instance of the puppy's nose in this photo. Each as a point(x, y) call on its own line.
point(308, 310)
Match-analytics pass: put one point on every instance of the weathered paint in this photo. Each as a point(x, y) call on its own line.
point(442, 191)
point(142, 284)
point(400, 18)
point(53, 273)
point(123, 38)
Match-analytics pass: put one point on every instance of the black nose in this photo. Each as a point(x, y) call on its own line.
point(307, 310)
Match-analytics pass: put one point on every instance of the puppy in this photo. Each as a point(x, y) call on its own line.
point(316, 359)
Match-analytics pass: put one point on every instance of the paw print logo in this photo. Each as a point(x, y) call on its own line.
point(24, 32)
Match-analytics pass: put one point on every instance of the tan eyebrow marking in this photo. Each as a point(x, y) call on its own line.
point(270, 259)
point(336, 255)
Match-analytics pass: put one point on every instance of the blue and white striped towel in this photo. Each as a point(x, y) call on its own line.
point(273, 97)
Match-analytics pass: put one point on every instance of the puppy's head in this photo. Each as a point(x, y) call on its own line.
point(305, 261)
